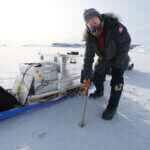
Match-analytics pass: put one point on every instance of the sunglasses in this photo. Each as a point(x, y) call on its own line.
point(93, 29)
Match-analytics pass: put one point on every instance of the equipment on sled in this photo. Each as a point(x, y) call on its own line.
point(40, 83)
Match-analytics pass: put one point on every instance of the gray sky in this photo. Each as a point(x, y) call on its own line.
point(46, 21)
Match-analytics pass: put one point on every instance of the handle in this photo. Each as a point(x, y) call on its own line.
point(86, 83)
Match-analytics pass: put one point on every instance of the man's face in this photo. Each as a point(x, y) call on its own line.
point(94, 25)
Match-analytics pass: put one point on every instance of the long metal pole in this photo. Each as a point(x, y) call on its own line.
point(84, 112)
point(86, 93)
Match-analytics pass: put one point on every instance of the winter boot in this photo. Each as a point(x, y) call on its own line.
point(109, 113)
point(96, 94)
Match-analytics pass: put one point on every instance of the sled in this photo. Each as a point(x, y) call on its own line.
point(42, 100)
point(39, 84)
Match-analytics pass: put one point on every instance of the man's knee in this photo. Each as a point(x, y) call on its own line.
point(117, 83)
point(98, 77)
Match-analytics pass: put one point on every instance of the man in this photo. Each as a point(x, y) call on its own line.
point(109, 40)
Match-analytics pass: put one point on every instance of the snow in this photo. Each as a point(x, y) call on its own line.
point(56, 126)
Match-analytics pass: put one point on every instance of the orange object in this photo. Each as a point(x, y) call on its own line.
point(86, 83)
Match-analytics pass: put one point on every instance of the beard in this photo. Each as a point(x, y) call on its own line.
point(99, 30)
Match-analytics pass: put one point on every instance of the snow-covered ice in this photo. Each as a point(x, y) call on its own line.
point(56, 126)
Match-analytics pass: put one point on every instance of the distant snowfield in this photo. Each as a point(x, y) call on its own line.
point(56, 126)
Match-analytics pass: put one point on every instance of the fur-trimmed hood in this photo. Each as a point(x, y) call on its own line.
point(110, 20)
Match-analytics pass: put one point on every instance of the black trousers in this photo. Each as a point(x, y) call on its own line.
point(116, 84)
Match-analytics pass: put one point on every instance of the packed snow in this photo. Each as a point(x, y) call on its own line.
point(56, 126)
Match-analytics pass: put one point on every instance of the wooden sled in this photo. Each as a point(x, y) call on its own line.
point(44, 99)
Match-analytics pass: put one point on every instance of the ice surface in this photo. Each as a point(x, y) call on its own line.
point(56, 126)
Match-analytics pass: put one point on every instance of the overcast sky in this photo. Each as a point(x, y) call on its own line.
point(47, 21)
